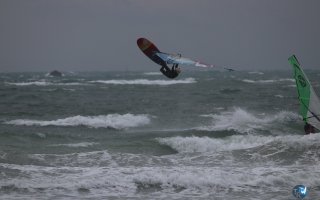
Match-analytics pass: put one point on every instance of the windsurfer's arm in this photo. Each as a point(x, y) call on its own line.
point(175, 66)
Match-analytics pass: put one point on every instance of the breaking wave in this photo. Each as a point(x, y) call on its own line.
point(75, 145)
point(114, 82)
point(244, 122)
point(268, 81)
point(44, 83)
point(206, 144)
point(146, 82)
point(162, 181)
point(37, 83)
point(235, 142)
point(152, 73)
point(115, 121)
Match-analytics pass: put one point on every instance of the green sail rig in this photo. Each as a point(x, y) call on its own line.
point(309, 101)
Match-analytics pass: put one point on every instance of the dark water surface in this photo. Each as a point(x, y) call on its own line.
point(135, 135)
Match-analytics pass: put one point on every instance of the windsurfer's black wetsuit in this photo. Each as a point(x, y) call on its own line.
point(170, 73)
point(308, 128)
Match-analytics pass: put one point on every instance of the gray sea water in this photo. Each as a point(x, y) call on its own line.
point(136, 135)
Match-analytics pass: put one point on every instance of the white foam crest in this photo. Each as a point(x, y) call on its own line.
point(146, 82)
point(84, 159)
point(45, 83)
point(279, 96)
point(235, 142)
point(268, 81)
point(226, 179)
point(97, 180)
point(296, 141)
point(153, 73)
point(116, 121)
point(75, 145)
point(181, 177)
point(287, 79)
point(127, 181)
point(69, 84)
point(256, 72)
point(37, 83)
point(206, 144)
point(245, 122)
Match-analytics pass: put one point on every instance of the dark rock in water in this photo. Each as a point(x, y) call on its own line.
point(55, 73)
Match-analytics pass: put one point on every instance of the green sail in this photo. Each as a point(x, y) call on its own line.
point(303, 86)
point(309, 102)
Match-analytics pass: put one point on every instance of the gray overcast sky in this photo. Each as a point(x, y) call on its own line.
point(73, 35)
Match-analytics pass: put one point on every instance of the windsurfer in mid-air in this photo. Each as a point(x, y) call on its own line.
point(170, 73)
point(308, 128)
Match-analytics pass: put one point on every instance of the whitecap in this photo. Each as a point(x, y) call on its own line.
point(279, 96)
point(146, 82)
point(84, 159)
point(206, 144)
point(165, 181)
point(245, 122)
point(44, 83)
point(115, 121)
point(235, 142)
point(152, 73)
point(268, 81)
point(75, 145)
point(36, 83)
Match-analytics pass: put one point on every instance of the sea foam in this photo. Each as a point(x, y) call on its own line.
point(146, 82)
point(75, 145)
point(268, 81)
point(163, 181)
point(152, 73)
point(236, 142)
point(36, 83)
point(207, 144)
point(44, 83)
point(115, 121)
point(245, 122)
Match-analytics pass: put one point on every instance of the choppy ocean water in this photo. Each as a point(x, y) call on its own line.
point(135, 135)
